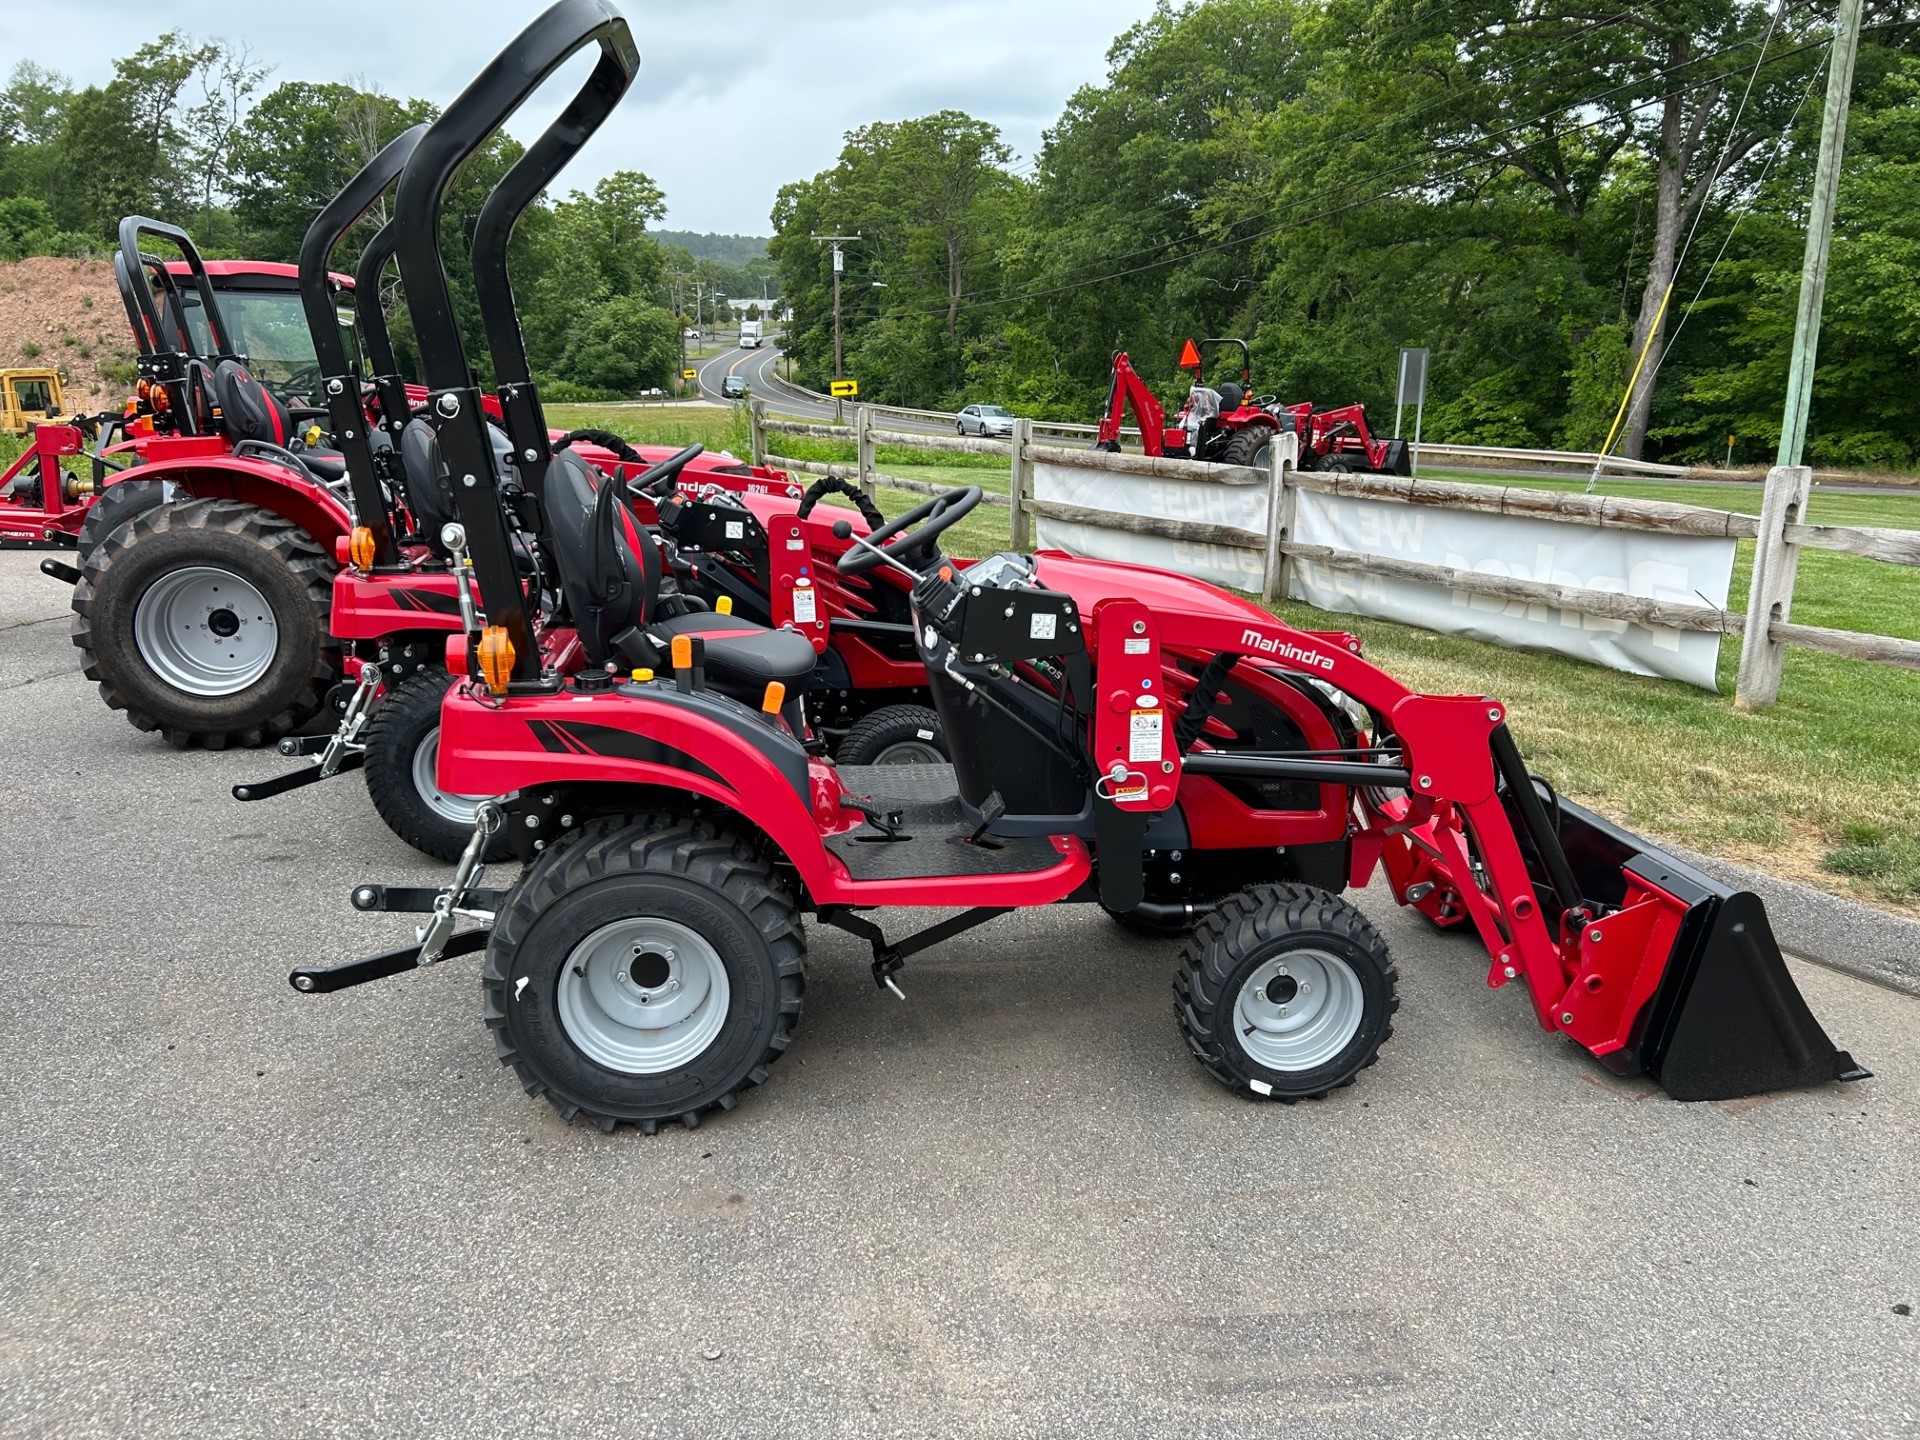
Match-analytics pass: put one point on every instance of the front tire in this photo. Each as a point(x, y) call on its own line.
point(207, 621)
point(1285, 992)
point(403, 746)
point(1248, 446)
point(648, 969)
point(895, 735)
point(115, 506)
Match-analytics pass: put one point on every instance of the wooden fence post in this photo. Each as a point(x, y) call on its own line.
point(1282, 455)
point(756, 430)
point(863, 448)
point(1770, 598)
point(1020, 487)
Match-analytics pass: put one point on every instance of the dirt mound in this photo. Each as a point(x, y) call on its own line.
point(66, 314)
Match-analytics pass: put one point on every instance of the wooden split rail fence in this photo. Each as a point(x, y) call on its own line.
point(1779, 532)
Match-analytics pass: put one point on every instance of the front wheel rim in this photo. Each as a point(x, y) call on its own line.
point(1298, 1010)
point(462, 810)
point(206, 631)
point(643, 996)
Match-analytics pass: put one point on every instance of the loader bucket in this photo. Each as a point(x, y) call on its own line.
point(1723, 1017)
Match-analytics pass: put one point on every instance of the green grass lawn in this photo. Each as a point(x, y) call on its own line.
point(1824, 787)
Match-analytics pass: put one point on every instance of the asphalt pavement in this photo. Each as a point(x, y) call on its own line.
point(1011, 1205)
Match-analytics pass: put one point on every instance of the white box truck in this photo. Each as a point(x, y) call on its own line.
point(749, 334)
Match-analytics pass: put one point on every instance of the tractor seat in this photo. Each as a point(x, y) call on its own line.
point(329, 465)
point(739, 652)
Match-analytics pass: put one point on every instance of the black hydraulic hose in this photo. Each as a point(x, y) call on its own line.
point(1281, 767)
point(606, 440)
point(834, 485)
point(1206, 695)
point(1533, 815)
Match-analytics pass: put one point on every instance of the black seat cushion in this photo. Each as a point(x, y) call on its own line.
point(248, 410)
point(609, 570)
point(740, 651)
point(329, 465)
point(429, 482)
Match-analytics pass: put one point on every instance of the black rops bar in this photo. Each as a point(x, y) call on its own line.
point(388, 383)
point(1287, 767)
point(345, 413)
point(518, 188)
point(141, 288)
point(482, 108)
point(1727, 1019)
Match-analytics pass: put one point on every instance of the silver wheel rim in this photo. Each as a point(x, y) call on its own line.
point(910, 752)
point(643, 996)
point(461, 809)
point(205, 630)
point(1298, 1010)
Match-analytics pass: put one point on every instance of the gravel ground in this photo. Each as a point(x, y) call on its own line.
point(1010, 1206)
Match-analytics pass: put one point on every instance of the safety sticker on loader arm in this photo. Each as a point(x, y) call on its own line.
point(803, 604)
point(1144, 733)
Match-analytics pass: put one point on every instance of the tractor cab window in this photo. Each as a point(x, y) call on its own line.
point(269, 327)
point(32, 395)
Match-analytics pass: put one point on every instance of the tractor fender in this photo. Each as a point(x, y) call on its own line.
point(273, 487)
point(652, 735)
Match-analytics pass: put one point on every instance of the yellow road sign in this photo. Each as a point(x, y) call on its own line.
point(689, 374)
point(844, 389)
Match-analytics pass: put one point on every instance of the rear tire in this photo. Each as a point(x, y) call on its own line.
point(207, 621)
point(575, 982)
point(403, 741)
point(895, 735)
point(1285, 992)
point(1248, 446)
point(117, 504)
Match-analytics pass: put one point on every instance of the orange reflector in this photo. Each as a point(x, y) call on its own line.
point(360, 548)
point(143, 389)
point(496, 658)
point(456, 655)
point(160, 399)
point(1190, 357)
point(724, 605)
point(775, 697)
point(682, 650)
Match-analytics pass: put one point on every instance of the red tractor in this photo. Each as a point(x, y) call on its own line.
point(1230, 425)
point(1120, 736)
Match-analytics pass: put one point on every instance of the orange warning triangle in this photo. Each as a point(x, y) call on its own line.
point(1190, 357)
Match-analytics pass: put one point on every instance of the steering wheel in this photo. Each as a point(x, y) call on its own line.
point(658, 481)
point(915, 530)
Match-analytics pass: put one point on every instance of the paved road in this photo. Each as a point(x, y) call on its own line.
point(1011, 1206)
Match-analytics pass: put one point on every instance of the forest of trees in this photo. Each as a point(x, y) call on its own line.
point(1514, 183)
point(194, 132)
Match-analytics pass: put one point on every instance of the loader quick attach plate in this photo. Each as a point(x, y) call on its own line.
point(933, 827)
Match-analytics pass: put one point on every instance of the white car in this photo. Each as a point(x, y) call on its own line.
point(989, 421)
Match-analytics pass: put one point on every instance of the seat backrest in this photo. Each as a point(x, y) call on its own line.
point(609, 570)
point(248, 410)
point(429, 482)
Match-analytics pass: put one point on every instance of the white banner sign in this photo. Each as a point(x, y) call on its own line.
point(1686, 568)
point(1240, 507)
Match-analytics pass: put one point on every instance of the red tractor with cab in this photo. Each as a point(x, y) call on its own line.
point(1120, 736)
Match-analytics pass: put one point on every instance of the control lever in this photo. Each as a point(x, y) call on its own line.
point(991, 809)
point(887, 822)
point(843, 530)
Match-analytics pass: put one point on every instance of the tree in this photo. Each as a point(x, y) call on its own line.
point(624, 344)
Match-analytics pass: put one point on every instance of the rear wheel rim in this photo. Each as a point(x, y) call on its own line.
point(206, 631)
point(463, 810)
point(643, 996)
point(1298, 1010)
point(910, 752)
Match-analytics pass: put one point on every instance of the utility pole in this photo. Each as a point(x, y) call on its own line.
point(1789, 483)
point(839, 266)
point(1813, 270)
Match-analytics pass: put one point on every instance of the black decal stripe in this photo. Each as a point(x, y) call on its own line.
point(618, 744)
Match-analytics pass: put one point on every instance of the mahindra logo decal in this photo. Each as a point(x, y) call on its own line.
point(1284, 650)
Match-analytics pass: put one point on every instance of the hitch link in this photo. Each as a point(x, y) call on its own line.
point(448, 906)
point(346, 739)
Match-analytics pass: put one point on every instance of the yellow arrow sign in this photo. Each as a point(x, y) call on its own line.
point(844, 389)
point(689, 374)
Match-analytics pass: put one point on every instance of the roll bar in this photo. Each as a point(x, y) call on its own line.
point(517, 189)
point(139, 291)
point(366, 281)
point(346, 414)
point(481, 109)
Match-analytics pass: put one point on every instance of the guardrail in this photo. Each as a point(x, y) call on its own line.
point(1778, 532)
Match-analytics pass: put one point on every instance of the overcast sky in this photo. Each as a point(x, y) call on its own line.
point(733, 99)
